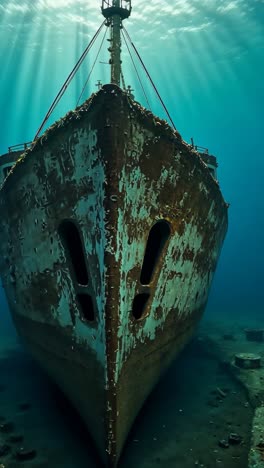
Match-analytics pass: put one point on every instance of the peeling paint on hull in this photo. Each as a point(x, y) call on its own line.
point(112, 170)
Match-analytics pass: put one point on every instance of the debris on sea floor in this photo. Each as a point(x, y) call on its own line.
point(248, 361)
point(254, 334)
point(23, 454)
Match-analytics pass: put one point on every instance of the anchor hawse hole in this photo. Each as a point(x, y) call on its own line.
point(72, 243)
point(157, 239)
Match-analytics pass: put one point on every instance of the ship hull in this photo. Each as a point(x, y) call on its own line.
point(111, 234)
point(83, 383)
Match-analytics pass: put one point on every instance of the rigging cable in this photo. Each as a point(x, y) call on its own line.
point(68, 80)
point(122, 79)
point(95, 60)
point(149, 77)
point(139, 79)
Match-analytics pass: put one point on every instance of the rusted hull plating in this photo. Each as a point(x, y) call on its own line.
point(111, 230)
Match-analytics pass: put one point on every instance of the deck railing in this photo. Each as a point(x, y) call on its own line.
point(19, 147)
point(201, 149)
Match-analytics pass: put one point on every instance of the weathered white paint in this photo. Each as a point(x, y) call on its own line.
point(37, 255)
point(83, 164)
point(188, 288)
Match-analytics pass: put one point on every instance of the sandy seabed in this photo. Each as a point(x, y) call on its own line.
point(194, 408)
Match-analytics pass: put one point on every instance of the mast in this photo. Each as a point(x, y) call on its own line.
point(115, 11)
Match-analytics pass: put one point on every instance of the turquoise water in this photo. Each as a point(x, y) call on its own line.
point(207, 60)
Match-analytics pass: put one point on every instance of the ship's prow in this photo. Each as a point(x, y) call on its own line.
point(111, 230)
